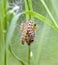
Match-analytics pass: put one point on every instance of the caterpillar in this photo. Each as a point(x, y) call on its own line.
point(28, 30)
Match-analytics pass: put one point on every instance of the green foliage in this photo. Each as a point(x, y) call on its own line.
point(44, 48)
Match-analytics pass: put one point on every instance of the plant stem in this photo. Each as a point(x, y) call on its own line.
point(5, 29)
point(3, 26)
point(30, 7)
point(28, 55)
point(1, 44)
point(26, 8)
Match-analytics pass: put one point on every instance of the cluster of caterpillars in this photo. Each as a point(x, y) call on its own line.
point(28, 30)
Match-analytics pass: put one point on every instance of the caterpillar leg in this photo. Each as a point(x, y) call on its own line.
point(22, 42)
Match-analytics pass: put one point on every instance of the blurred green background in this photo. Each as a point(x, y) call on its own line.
point(45, 35)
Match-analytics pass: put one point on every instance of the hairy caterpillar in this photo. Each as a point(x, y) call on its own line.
point(28, 30)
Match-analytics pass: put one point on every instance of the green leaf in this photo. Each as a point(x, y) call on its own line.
point(50, 14)
point(12, 28)
point(43, 19)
